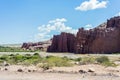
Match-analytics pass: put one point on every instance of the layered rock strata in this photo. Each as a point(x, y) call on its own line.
point(102, 39)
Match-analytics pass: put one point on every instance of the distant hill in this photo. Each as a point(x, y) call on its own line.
point(11, 45)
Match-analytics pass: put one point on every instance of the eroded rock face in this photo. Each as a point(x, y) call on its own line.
point(113, 22)
point(36, 46)
point(62, 43)
point(102, 39)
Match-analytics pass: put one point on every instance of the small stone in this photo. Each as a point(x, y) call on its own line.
point(82, 71)
point(20, 70)
point(33, 70)
point(77, 63)
point(29, 70)
point(6, 64)
point(6, 69)
point(91, 70)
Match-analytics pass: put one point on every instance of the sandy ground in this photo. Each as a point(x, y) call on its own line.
point(60, 73)
point(51, 76)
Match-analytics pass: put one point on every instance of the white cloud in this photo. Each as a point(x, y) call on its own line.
point(118, 14)
point(48, 30)
point(88, 27)
point(91, 5)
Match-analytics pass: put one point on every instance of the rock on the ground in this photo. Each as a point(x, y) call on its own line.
point(91, 70)
point(6, 69)
point(29, 70)
point(20, 70)
point(82, 71)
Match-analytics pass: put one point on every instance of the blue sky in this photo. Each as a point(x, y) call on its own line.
point(37, 20)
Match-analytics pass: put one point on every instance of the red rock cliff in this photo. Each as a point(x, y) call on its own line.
point(102, 39)
point(62, 43)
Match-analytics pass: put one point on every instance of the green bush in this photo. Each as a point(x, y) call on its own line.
point(36, 54)
point(4, 57)
point(78, 59)
point(45, 66)
point(27, 56)
point(1, 61)
point(104, 60)
point(21, 59)
point(87, 60)
point(58, 61)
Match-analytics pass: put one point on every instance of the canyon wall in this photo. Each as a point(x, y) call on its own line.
point(62, 43)
point(103, 39)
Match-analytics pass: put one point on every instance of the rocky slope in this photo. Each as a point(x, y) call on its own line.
point(36, 46)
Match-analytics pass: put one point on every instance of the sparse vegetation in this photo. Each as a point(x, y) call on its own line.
point(58, 61)
point(78, 59)
point(88, 60)
point(52, 61)
point(35, 59)
point(104, 60)
point(12, 49)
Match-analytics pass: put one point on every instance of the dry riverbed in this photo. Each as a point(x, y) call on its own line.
point(83, 72)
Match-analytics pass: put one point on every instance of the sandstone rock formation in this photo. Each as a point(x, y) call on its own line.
point(103, 39)
point(62, 43)
point(36, 46)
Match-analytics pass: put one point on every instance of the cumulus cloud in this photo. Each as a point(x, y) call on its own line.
point(118, 14)
point(91, 5)
point(53, 26)
point(88, 27)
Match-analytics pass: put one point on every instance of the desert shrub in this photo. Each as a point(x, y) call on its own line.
point(27, 56)
point(31, 59)
point(87, 60)
point(27, 62)
point(58, 61)
point(104, 60)
point(78, 59)
point(50, 56)
point(4, 57)
point(1, 61)
point(11, 55)
point(36, 54)
point(18, 57)
point(45, 66)
point(109, 64)
point(14, 59)
point(66, 58)
point(21, 59)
